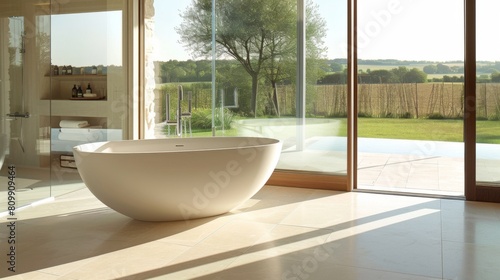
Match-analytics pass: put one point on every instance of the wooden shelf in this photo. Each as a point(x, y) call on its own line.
point(87, 98)
point(78, 77)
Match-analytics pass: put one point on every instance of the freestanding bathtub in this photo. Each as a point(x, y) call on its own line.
point(177, 178)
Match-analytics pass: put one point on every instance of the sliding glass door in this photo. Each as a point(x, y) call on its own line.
point(235, 73)
point(253, 68)
point(410, 96)
point(487, 106)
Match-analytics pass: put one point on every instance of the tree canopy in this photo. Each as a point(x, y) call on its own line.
point(260, 35)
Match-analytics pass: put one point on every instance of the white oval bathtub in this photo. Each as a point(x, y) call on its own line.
point(177, 178)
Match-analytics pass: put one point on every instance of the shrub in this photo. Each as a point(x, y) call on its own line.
point(406, 115)
point(435, 116)
point(495, 117)
point(202, 118)
point(364, 115)
point(227, 119)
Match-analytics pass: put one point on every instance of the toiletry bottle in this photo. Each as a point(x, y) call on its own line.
point(94, 70)
point(79, 92)
point(56, 70)
point(64, 70)
point(74, 92)
point(69, 70)
point(89, 89)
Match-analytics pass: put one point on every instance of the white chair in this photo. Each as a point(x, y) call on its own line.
point(181, 119)
point(170, 122)
point(186, 116)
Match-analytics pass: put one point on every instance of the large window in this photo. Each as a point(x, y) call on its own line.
point(281, 69)
point(488, 93)
point(262, 84)
point(410, 96)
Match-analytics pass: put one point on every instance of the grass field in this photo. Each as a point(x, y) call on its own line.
point(422, 129)
point(411, 129)
point(425, 129)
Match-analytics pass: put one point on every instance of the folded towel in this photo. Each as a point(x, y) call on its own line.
point(89, 137)
point(74, 124)
point(89, 95)
point(82, 130)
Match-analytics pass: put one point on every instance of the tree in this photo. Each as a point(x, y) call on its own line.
point(415, 76)
point(495, 77)
point(259, 34)
point(399, 74)
point(382, 76)
point(336, 67)
point(430, 69)
point(443, 69)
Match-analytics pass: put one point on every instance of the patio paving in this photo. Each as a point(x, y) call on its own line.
point(430, 167)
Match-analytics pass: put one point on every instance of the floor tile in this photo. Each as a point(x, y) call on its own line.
point(280, 233)
point(470, 261)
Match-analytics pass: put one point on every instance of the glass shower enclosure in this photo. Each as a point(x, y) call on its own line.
point(24, 60)
point(39, 65)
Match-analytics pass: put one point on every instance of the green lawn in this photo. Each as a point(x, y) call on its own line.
point(425, 129)
point(413, 129)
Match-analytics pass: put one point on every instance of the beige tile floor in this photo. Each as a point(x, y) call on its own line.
point(389, 172)
point(280, 233)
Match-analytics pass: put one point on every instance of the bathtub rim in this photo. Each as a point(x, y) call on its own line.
point(92, 148)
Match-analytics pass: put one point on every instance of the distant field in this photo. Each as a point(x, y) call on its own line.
point(365, 67)
point(420, 66)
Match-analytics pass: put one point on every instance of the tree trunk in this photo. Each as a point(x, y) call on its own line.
point(253, 104)
point(275, 99)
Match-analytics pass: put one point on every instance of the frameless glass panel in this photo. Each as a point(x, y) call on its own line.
point(410, 96)
point(24, 55)
point(319, 143)
point(86, 82)
point(487, 93)
point(254, 90)
point(178, 79)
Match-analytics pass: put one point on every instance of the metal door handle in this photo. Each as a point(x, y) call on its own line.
point(18, 115)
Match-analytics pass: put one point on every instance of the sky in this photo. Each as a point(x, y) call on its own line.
point(387, 29)
point(78, 39)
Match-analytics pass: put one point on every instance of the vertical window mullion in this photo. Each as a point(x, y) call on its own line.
point(470, 99)
point(352, 88)
point(300, 103)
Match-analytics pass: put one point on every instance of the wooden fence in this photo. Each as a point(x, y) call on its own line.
point(423, 100)
point(434, 100)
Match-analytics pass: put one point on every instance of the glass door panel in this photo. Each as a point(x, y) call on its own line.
point(315, 139)
point(24, 59)
point(487, 93)
point(88, 82)
point(255, 89)
point(410, 96)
